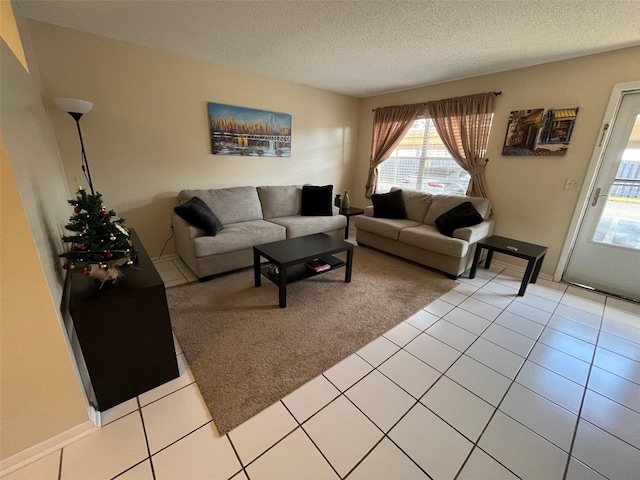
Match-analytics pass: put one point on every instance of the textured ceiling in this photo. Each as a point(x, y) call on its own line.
point(359, 48)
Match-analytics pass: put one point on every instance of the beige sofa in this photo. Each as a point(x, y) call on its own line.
point(250, 216)
point(417, 238)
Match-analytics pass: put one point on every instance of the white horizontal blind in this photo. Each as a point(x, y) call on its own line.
point(422, 162)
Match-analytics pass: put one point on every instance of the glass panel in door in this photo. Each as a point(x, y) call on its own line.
point(620, 220)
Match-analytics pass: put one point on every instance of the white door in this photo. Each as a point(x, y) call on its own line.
point(606, 253)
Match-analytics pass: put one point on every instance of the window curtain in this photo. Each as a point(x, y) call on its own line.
point(390, 124)
point(463, 125)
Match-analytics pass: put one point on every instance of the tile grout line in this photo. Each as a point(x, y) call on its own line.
point(165, 396)
point(235, 451)
point(182, 437)
point(384, 434)
point(146, 438)
point(614, 400)
point(584, 394)
point(307, 433)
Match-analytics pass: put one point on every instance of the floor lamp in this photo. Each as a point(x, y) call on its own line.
point(77, 108)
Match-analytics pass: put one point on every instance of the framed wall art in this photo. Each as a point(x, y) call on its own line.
point(246, 131)
point(539, 132)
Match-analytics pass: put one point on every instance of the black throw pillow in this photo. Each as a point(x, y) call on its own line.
point(388, 205)
point(316, 200)
point(198, 214)
point(464, 215)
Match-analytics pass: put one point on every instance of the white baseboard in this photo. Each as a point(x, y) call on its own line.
point(30, 455)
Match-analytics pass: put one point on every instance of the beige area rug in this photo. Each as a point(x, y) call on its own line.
point(246, 353)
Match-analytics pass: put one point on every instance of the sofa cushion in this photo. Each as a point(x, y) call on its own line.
point(415, 203)
point(198, 214)
point(298, 226)
point(444, 203)
point(232, 205)
point(463, 215)
point(385, 227)
point(429, 238)
point(238, 236)
point(388, 205)
point(280, 201)
point(316, 200)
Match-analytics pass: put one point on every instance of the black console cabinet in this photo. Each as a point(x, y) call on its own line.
point(120, 333)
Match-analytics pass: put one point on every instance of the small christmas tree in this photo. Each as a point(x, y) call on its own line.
point(99, 243)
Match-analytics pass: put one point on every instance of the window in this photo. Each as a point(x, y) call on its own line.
point(422, 162)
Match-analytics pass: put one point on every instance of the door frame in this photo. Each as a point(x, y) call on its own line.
point(590, 177)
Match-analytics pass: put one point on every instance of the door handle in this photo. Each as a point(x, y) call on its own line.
point(597, 195)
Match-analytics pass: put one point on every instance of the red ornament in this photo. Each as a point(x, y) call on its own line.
point(74, 248)
point(87, 271)
point(66, 266)
point(104, 213)
point(83, 247)
point(109, 255)
point(77, 209)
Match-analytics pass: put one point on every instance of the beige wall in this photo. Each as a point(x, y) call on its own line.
point(529, 201)
point(147, 135)
point(39, 395)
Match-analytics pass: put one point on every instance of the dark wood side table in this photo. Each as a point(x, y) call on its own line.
point(121, 333)
point(534, 254)
point(350, 212)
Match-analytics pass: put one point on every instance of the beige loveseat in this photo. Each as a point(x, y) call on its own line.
point(250, 216)
point(417, 238)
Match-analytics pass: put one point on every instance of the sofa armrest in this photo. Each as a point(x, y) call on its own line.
point(335, 211)
point(368, 211)
point(475, 233)
point(184, 229)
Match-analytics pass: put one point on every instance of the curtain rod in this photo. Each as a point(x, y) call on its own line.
point(495, 93)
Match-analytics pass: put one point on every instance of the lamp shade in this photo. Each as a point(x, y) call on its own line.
point(71, 105)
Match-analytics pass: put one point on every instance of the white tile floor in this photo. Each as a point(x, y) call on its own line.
point(481, 384)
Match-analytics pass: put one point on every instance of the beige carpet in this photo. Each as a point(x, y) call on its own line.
point(246, 353)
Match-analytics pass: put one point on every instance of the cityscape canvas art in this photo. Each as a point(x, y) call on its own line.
point(247, 131)
point(539, 132)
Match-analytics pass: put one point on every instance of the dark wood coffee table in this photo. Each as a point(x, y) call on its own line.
point(290, 256)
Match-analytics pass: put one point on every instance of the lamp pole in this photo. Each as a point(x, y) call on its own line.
point(85, 164)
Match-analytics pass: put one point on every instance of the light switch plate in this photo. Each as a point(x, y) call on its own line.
point(572, 184)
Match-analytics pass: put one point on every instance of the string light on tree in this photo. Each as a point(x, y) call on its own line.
point(98, 241)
